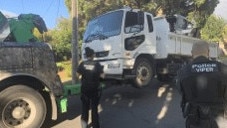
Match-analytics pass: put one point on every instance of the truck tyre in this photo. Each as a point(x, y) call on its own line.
point(21, 107)
point(144, 72)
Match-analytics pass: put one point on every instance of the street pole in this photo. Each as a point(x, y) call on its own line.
point(74, 40)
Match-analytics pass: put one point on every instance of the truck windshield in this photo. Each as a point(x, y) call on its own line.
point(104, 26)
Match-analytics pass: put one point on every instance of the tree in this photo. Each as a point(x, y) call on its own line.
point(224, 37)
point(213, 29)
point(61, 39)
point(45, 37)
point(224, 34)
point(201, 11)
point(197, 11)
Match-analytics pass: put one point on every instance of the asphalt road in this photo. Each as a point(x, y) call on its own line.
point(156, 106)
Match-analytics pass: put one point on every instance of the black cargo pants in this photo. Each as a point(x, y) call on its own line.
point(91, 101)
point(206, 118)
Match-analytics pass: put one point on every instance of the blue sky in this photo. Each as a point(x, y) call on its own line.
point(51, 10)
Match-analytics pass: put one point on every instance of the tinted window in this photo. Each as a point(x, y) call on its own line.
point(150, 24)
point(131, 23)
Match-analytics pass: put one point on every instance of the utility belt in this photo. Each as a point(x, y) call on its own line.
point(204, 111)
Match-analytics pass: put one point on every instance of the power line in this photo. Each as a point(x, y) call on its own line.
point(57, 11)
point(49, 7)
point(58, 8)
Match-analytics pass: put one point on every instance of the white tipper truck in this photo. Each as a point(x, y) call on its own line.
point(134, 46)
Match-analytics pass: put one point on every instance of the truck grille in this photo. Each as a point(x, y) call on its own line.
point(102, 54)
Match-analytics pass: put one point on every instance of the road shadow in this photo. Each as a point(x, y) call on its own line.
point(155, 106)
point(74, 110)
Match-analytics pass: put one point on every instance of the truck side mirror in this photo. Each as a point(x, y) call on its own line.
point(140, 17)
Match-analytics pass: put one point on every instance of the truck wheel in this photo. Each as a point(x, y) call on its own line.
point(21, 107)
point(144, 73)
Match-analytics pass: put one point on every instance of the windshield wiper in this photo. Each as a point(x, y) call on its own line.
point(95, 37)
point(102, 37)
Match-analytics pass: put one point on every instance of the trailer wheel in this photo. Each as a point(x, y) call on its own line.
point(144, 72)
point(21, 107)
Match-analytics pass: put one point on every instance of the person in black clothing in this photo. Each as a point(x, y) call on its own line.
point(202, 84)
point(91, 72)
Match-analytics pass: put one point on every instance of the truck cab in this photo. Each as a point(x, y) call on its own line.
point(118, 39)
point(133, 45)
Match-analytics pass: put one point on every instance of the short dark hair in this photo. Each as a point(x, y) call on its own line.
point(200, 48)
point(89, 52)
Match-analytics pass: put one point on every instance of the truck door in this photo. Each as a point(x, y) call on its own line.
point(150, 33)
point(139, 33)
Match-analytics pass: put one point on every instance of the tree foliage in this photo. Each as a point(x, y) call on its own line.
point(201, 11)
point(224, 34)
point(196, 10)
point(45, 37)
point(213, 29)
point(61, 39)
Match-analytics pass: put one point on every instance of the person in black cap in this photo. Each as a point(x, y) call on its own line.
point(202, 84)
point(91, 72)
